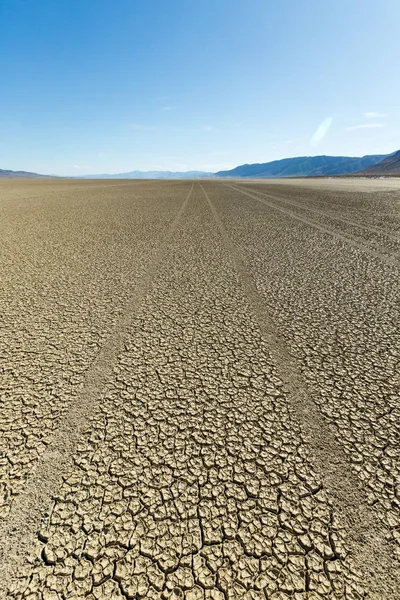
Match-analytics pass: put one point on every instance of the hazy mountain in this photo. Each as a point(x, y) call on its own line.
point(304, 166)
point(151, 175)
point(6, 174)
point(389, 166)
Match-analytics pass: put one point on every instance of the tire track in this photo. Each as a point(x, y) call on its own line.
point(325, 214)
point(387, 259)
point(18, 532)
point(195, 425)
point(366, 537)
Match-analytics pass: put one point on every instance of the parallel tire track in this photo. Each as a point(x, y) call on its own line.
point(366, 537)
point(18, 531)
point(387, 259)
point(370, 229)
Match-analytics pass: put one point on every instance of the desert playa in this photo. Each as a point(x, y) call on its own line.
point(199, 389)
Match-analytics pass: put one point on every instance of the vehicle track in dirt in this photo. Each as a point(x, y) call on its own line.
point(59, 306)
point(18, 531)
point(232, 429)
point(329, 215)
point(365, 537)
point(390, 259)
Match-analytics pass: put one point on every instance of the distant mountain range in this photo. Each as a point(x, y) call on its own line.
point(152, 175)
point(389, 166)
point(304, 166)
point(6, 174)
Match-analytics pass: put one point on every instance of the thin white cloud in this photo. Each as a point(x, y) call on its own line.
point(366, 126)
point(321, 132)
point(374, 115)
point(166, 108)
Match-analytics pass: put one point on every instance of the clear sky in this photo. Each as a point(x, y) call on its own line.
point(101, 86)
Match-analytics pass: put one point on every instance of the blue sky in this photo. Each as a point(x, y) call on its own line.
point(94, 86)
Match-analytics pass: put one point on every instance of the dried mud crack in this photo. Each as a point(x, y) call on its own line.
point(199, 392)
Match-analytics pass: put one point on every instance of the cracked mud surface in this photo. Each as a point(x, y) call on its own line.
point(167, 350)
point(340, 316)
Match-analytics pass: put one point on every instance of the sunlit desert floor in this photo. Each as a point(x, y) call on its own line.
point(200, 389)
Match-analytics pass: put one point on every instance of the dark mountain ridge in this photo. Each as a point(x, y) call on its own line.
point(304, 166)
point(389, 166)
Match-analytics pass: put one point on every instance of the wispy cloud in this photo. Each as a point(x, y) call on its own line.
point(321, 132)
point(366, 126)
point(374, 115)
point(164, 108)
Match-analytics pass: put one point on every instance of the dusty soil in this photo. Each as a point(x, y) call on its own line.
point(199, 390)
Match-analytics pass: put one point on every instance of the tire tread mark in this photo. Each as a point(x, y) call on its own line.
point(387, 259)
point(370, 229)
point(370, 551)
point(19, 531)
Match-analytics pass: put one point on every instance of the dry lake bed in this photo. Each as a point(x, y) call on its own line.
point(199, 389)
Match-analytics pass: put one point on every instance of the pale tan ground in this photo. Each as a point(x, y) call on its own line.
point(199, 389)
point(351, 184)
